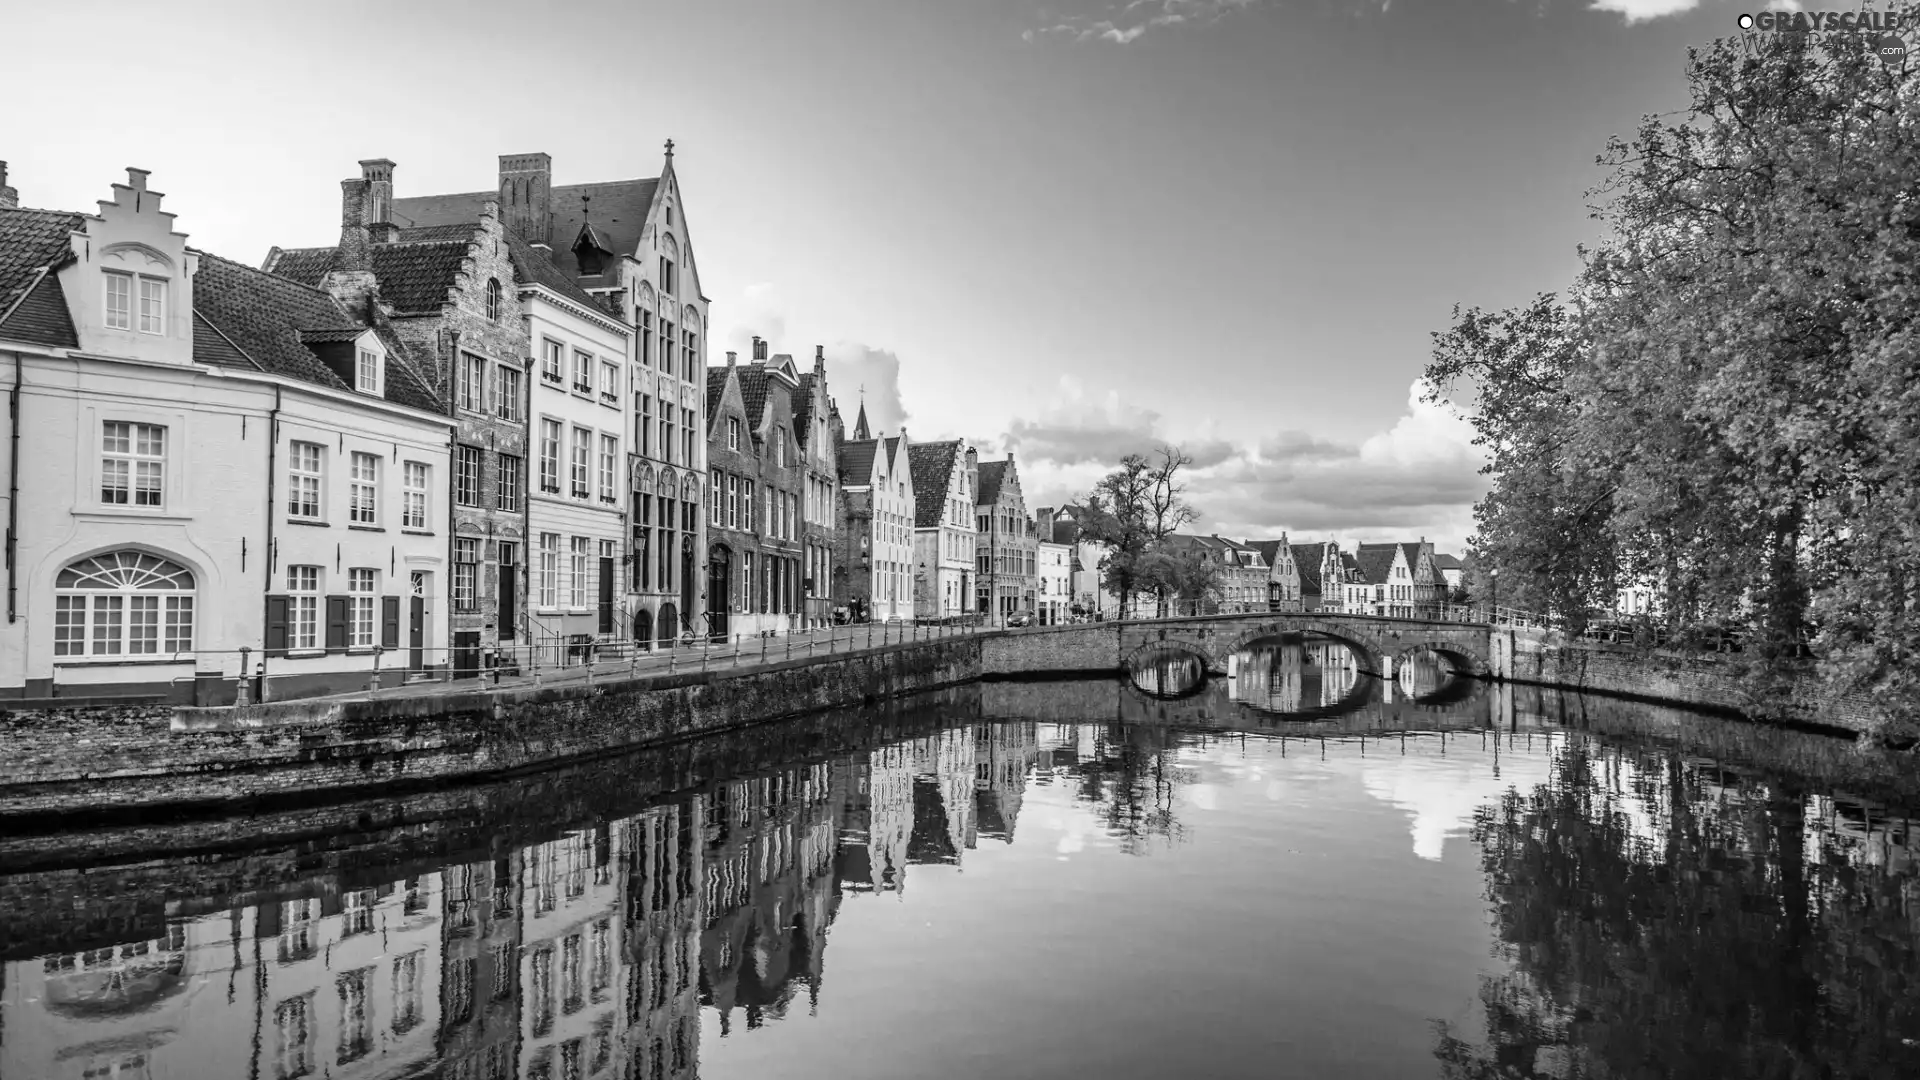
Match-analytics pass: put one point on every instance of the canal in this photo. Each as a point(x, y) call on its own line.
point(1298, 871)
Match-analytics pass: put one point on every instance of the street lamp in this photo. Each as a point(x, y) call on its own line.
point(1493, 580)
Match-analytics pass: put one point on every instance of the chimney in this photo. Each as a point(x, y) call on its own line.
point(731, 357)
point(526, 196)
point(377, 173)
point(9, 198)
point(353, 227)
point(759, 350)
point(819, 351)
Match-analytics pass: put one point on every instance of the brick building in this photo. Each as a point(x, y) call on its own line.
point(448, 296)
point(816, 429)
point(627, 242)
point(1007, 551)
point(756, 557)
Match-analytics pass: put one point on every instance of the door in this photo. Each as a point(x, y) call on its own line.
point(417, 623)
point(466, 654)
point(669, 625)
point(606, 594)
point(719, 591)
point(509, 591)
point(643, 626)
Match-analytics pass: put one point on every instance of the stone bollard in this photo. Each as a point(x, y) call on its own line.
point(373, 680)
point(704, 653)
point(243, 687)
point(810, 641)
point(590, 659)
point(673, 661)
point(789, 647)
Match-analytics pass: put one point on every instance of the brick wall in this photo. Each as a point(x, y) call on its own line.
point(66, 766)
point(1085, 647)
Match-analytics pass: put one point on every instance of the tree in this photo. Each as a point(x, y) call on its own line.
point(1131, 512)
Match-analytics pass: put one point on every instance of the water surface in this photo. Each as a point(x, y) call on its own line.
point(1306, 872)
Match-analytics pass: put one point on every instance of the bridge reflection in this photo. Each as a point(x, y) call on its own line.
point(1302, 677)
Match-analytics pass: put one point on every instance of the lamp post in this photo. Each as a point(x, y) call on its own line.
point(1493, 581)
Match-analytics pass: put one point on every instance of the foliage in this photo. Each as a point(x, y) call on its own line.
point(1131, 512)
point(1728, 405)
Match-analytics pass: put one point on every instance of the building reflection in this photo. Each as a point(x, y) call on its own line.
point(591, 954)
point(1293, 676)
point(1764, 926)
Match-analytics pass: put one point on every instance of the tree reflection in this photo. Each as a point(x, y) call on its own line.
point(1663, 918)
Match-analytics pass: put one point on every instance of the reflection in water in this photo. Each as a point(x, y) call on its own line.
point(1169, 672)
point(1653, 914)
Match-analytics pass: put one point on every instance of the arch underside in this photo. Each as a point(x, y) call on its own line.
point(1368, 654)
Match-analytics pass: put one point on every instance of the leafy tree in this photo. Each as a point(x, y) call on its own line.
point(1131, 512)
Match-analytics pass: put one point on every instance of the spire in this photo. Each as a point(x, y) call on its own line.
point(860, 425)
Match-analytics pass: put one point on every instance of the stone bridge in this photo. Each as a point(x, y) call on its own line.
point(1377, 642)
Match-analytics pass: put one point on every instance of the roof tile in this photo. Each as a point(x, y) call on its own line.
point(932, 467)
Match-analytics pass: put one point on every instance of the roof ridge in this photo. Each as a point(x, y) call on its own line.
point(281, 278)
point(39, 275)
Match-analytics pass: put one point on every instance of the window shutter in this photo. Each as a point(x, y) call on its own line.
point(389, 622)
point(277, 625)
point(336, 622)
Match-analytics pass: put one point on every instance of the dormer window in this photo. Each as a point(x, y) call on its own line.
point(733, 434)
point(121, 289)
point(367, 372)
point(493, 300)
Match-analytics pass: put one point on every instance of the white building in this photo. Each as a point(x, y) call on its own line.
point(220, 460)
point(876, 481)
point(572, 953)
point(1056, 582)
point(581, 412)
point(943, 476)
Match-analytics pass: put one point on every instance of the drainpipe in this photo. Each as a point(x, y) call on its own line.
point(267, 555)
point(453, 451)
point(13, 494)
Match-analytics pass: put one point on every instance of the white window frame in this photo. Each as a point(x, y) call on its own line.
point(553, 367)
point(363, 507)
point(303, 607)
point(133, 465)
point(582, 371)
point(418, 481)
point(306, 481)
point(609, 467)
point(549, 570)
point(580, 474)
point(551, 432)
point(577, 591)
point(363, 615)
point(153, 305)
point(107, 616)
point(117, 285)
point(367, 371)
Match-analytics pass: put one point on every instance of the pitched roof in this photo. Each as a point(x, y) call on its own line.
point(534, 268)
point(1268, 549)
point(33, 307)
point(1375, 562)
point(932, 467)
point(620, 209)
point(250, 318)
point(992, 474)
point(414, 274)
point(1448, 562)
point(1308, 558)
point(856, 461)
point(1412, 552)
point(803, 408)
point(716, 386)
point(753, 392)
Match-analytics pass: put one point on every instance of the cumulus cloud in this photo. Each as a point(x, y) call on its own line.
point(861, 374)
point(1635, 11)
point(1136, 19)
point(760, 310)
point(1418, 477)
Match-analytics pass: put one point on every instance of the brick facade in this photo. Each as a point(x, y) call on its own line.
point(757, 556)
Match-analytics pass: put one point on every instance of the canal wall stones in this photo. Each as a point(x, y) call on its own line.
point(1549, 658)
point(70, 768)
point(1081, 648)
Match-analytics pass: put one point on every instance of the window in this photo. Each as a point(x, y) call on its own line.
point(119, 300)
point(361, 583)
point(646, 337)
point(666, 287)
point(123, 603)
point(733, 433)
point(506, 393)
point(582, 372)
point(366, 373)
point(473, 383)
point(466, 475)
point(303, 607)
point(666, 347)
point(133, 461)
point(365, 490)
point(716, 487)
point(508, 475)
point(687, 432)
point(746, 505)
point(555, 357)
point(577, 581)
point(646, 425)
point(303, 480)
point(550, 455)
point(153, 306)
point(733, 502)
point(609, 467)
point(693, 354)
point(549, 569)
point(666, 432)
point(466, 573)
point(413, 513)
point(582, 458)
point(493, 300)
point(780, 447)
point(610, 383)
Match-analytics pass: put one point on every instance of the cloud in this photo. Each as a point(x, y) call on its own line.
point(761, 310)
point(852, 366)
point(1636, 11)
point(1418, 477)
point(1137, 18)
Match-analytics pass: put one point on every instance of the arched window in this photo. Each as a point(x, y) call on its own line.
point(493, 299)
point(123, 603)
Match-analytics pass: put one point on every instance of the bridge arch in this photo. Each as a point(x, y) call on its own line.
point(1365, 655)
point(1467, 663)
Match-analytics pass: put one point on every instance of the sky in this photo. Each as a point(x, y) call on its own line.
point(1065, 230)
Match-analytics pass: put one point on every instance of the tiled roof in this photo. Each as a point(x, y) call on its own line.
point(1448, 562)
point(932, 467)
point(534, 268)
point(414, 275)
point(803, 409)
point(716, 388)
point(32, 308)
point(753, 392)
point(1268, 549)
point(262, 318)
point(620, 211)
point(856, 462)
point(893, 454)
point(1412, 552)
point(992, 475)
point(1308, 559)
point(1375, 562)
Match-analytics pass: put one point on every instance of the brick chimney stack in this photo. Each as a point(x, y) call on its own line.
point(819, 358)
point(759, 350)
point(526, 196)
point(9, 198)
point(351, 280)
point(377, 174)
